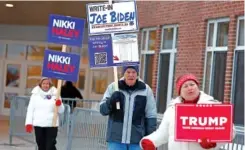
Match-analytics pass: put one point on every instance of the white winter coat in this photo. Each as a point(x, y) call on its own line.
point(40, 110)
point(165, 133)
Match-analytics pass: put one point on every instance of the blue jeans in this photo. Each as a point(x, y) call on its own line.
point(121, 146)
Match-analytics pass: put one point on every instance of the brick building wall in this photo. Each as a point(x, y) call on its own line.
point(192, 18)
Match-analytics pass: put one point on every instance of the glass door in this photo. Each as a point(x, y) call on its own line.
point(99, 80)
point(33, 75)
point(83, 77)
point(81, 84)
point(13, 83)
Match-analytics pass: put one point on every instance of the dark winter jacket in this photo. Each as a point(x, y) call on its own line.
point(70, 91)
point(136, 117)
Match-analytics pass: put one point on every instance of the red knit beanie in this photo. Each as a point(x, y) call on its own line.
point(182, 79)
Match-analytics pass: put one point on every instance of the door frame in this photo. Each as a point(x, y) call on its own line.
point(1, 87)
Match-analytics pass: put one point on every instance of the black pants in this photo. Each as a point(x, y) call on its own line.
point(46, 137)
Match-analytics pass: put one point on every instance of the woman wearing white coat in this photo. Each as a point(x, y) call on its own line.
point(187, 88)
point(40, 114)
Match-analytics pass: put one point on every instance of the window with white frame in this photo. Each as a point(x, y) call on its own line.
point(166, 65)
point(215, 59)
point(238, 75)
point(148, 47)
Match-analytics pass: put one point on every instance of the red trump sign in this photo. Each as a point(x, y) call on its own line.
point(211, 121)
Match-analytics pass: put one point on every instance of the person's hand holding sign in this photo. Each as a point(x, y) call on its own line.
point(116, 97)
point(205, 144)
point(58, 102)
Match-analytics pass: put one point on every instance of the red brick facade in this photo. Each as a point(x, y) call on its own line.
point(192, 18)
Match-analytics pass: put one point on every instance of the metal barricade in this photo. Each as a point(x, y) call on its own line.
point(237, 143)
point(88, 130)
point(81, 103)
point(84, 128)
point(18, 111)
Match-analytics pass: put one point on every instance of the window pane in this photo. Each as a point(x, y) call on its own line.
point(173, 83)
point(163, 82)
point(222, 35)
point(75, 50)
point(239, 89)
point(16, 51)
point(55, 48)
point(33, 76)
point(7, 98)
point(176, 41)
point(54, 81)
point(2, 50)
point(241, 33)
point(81, 81)
point(152, 40)
point(144, 40)
point(148, 69)
point(31, 82)
point(168, 36)
point(13, 75)
point(219, 75)
point(84, 56)
point(99, 83)
point(34, 71)
point(207, 74)
point(210, 34)
point(35, 52)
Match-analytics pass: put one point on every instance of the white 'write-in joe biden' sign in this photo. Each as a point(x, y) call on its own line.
point(106, 18)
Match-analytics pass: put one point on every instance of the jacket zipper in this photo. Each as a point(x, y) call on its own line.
point(128, 115)
point(130, 94)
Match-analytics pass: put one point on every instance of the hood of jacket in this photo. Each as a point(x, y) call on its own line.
point(37, 90)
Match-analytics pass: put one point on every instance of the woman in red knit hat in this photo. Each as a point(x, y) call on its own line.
point(187, 87)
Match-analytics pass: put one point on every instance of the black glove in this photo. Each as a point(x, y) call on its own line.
point(116, 96)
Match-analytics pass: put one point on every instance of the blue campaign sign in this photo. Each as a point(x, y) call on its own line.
point(100, 51)
point(61, 65)
point(107, 51)
point(65, 30)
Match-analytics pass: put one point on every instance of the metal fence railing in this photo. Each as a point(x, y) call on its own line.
point(18, 111)
point(81, 128)
point(88, 130)
point(237, 143)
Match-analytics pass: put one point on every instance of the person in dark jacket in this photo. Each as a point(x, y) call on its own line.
point(136, 116)
point(70, 91)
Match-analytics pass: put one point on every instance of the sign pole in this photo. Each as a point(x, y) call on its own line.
point(116, 83)
point(54, 124)
point(115, 77)
point(115, 71)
